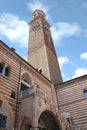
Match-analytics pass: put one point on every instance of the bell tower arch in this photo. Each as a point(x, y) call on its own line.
point(41, 51)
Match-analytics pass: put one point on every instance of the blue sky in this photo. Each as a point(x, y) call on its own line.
point(68, 20)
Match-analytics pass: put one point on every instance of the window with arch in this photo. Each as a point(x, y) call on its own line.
point(26, 81)
point(7, 71)
point(1, 67)
point(4, 69)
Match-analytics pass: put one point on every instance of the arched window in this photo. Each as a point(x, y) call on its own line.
point(1, 67)
point(26, 81)
point(6, 71)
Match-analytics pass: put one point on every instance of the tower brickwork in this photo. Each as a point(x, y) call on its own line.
point(41, 51)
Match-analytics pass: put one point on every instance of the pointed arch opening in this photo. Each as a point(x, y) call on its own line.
point(48, 121)
point(26, 81)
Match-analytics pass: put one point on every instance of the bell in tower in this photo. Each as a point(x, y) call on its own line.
point(41, 51)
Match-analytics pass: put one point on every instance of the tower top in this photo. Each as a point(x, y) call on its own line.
point(37, 13)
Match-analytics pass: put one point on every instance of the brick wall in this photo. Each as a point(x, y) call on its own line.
point(71, 99)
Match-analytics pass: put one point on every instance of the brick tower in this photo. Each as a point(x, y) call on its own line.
point(41, 51)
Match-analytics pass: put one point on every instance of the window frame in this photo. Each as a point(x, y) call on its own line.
point(5, 70)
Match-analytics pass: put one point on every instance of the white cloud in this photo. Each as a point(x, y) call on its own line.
point(62, 29)
point(65, 78)
point(62, 61)
point(37, 5)
point(80, 72)
point(83, 56)
point(14, 29)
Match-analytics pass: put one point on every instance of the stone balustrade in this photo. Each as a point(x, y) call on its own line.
point(32, 90)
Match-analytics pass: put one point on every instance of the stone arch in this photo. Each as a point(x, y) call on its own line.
point(48, 121)
point(6, 110)
point(26, 81)
point(26, 123)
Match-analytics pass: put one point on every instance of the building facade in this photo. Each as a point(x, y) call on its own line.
point(32, 94)
point(27, 92)
point(72, 100)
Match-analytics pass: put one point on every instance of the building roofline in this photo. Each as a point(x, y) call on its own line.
point(70, 81)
